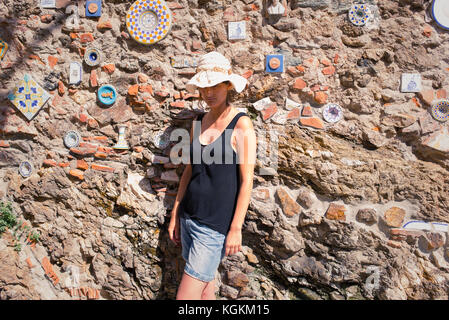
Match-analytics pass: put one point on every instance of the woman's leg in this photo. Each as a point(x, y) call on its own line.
point(209, 291)
point(190, 288)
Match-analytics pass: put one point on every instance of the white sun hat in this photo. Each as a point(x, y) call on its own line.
point(213, 68)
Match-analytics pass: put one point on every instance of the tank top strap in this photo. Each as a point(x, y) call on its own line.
point(236, 118)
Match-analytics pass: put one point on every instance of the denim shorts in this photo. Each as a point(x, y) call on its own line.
point(202, 249)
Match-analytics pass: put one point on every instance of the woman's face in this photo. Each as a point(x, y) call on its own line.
point(215, 96)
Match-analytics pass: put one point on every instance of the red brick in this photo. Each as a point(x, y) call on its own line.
point(162, 93)
point(301, 68)
point(93, 79)
point(336, 58)
point(61, 88)
point(248, 74)
point(427, 96)
point(100, 155)
point(328, 70)
point(174, 5)
point(336, 212)
point(46, 18)
point(86, 37)
point(320, 97)
point(138, 149)
point(83, 151)
point(83, 117)
point(74, 36)
point(186, 95)
point(197, 45)
point(293, 114)
point(177, 104)
point(64, 164)
point(146, 88)
point(307, 111)
point(52, 61)
point(269, 111)
point(77, 174)
point(92, 123)
point(50, 163)
point(109, 68)
point(312, 122)
point(104, 25)
point(394, 244)
point(427, 31)
point(441, 94)
point(102, 168)
point(4, 144)
point(299, 84)
point(133, 90)
point(82, 164)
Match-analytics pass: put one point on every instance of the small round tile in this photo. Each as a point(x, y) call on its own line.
point(93, 7)
point(274, 63)
point(72, 139)
point(92, 57)
point(332, 112)
point(25, 169)
point(161, 139)
point(107, 94)
point(359, 14)
point(440, 110)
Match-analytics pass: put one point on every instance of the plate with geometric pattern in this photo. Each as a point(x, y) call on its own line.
point(28, 97)
point(3, 49)
point(359, 14)
point(440, 110)
point(148, 21)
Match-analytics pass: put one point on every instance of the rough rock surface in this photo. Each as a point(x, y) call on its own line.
point(319, 224)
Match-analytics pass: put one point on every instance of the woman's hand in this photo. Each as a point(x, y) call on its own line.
point(173, 230)
point(233, 241)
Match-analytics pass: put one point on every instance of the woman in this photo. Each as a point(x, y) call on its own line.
point(213, 196)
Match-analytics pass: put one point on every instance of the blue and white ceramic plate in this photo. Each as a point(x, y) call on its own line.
point(332, 112)
point(72, 139)
point(440, 12)
point(148, 21)
point(161, 139)
point(359, 14)
point(92, 57)
point(440, 110)
point(25, 169)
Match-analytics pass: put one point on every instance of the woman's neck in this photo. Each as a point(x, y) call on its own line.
point(222, 111)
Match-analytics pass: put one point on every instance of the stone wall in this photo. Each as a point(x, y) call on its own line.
point(328, 223)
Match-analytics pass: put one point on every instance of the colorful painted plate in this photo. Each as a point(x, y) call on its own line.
point(440, 12)
point(3, 49)
point(440, 110)
point(72, 139)
point(29, 97)
point(359, 14)
point(148, 21)
point(428, 226)
point(107, 94)
point(332, 112)
point(25, 169)
point(92, 57)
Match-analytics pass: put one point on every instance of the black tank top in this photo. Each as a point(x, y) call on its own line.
point(211, 195)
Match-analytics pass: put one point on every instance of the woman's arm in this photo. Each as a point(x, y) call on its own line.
point(246, 150)
point(173, 228)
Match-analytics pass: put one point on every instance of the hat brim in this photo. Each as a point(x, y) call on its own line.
point(205, 79)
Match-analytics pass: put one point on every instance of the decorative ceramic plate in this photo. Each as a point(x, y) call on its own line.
point(411, 82)
point(29, 97)
point(76, 73)
point(107, 94)
point(72, 139)
point(440, 110)
point(161, 139)
point(92, 57)
point(359, 14)
point(3, 49)
point(25, 169)
point(440, 12)
point(148, 21)
point(274, 63)
point(332, 112)
point(428, 226)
